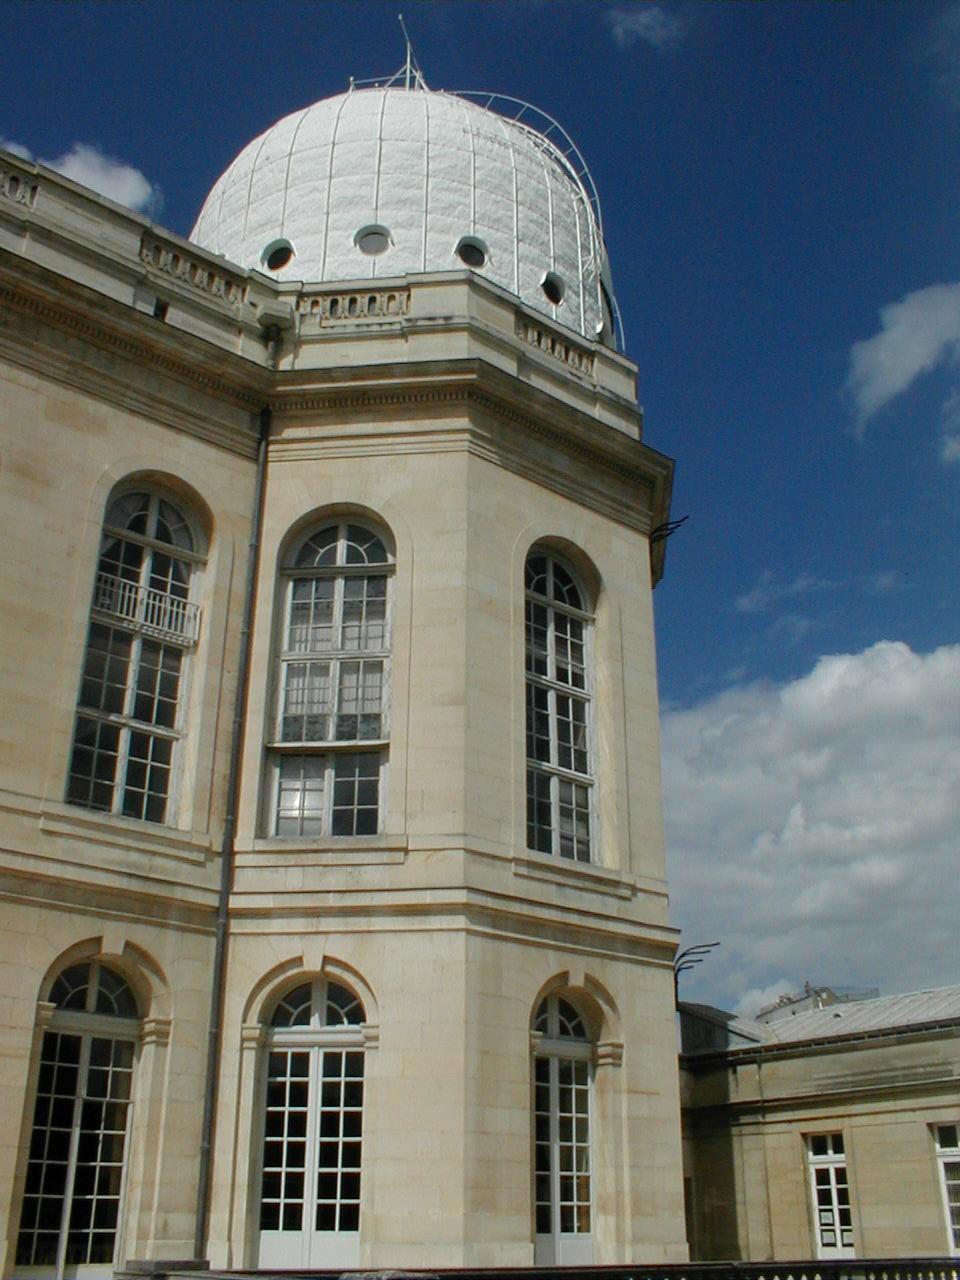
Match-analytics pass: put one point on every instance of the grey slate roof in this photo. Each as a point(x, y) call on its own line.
point(707, 1029)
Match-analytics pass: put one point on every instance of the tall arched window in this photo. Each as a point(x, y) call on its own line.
point(312, 1129)
point(329, 742)
point(563, 1195)
point(559, 771)
point(142, 627)
point(71, 1203)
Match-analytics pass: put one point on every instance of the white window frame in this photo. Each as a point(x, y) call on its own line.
point(554, 1046)
point(87, 1025)
point(328, 749)
point(143, 616)
point(946, 1139)
point(830, 1164)
point(307, 1246)
point(551, 771)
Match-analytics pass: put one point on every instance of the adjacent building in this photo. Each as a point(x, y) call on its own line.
point(830, 1130)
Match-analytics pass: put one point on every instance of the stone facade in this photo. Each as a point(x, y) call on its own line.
point(464, 432)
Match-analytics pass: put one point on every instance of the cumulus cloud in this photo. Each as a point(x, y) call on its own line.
point(814, 826)
point(917, 334)
point(101, 173)
point(758, 998)
point(645, 23)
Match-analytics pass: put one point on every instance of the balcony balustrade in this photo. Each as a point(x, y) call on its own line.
point(157, 613)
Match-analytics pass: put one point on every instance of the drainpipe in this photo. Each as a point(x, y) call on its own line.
point(215, 1033)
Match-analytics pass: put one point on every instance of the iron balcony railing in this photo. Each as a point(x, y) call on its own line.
point(157, 612)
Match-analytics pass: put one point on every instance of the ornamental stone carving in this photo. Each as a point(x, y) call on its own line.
point(192, 271)
point(13, 186)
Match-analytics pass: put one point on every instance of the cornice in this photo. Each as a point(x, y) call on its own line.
point(60, 316)
point(94, 324)
point(472, 383)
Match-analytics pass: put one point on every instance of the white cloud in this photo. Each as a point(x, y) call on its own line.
point(950, 428)
point(814, 827)
point(917, 334)
point(17, 148)
point(647, 23)
point(758, 998)
point(883, 583)
point(101, 173)
point(769, 591)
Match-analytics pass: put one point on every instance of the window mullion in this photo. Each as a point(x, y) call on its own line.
point(71, 1175)
point(554, 1073)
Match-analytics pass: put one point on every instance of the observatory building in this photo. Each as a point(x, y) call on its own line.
point(334, 908)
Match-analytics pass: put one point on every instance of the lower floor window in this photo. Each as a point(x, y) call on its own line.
point(562, 1120)
point(833, 1221)
point(336, 793)
point(74, 1180)
point(562, 1088)
point(312, 1185)
point(948, 1153)
point(311, 1157)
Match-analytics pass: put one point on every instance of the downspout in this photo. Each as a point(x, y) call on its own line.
point(221, 937)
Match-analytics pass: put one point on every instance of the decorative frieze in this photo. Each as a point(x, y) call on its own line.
point(350, 308)
point(192, 271)
point(536, 334)
point(13, 186)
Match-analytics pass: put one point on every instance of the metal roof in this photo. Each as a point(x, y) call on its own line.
point(845, 1018)
point(884, 1013)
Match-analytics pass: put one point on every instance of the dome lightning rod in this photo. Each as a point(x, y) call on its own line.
point(411, 69)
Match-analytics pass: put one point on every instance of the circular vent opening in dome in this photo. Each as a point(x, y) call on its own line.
point(472, 252)
point(554, 288)
point(372, 240)
point(277, 255)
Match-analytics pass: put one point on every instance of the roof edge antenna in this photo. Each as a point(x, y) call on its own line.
point(412, 75)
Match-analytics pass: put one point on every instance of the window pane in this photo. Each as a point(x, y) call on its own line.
point(300, 795)
point(307, 702)
point(355, 805)
point(311, 628)
point(539, 812)
point(93, 764)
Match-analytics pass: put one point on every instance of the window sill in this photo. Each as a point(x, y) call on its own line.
point(575, 875)
point(336, 851)
point(73, 821)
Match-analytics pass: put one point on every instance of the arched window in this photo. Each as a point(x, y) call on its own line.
point(312, 1129)
point(559, 770)
point(562, 1167)
point(329, 742)
point(142, 628)
point(71, 1203)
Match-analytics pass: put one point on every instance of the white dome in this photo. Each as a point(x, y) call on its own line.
point(423, 181)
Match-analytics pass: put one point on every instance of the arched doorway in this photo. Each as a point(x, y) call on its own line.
point(562, 1106)
point(312, 1125)
point(71, 1211)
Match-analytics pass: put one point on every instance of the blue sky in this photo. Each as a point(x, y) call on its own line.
point(779, 187)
